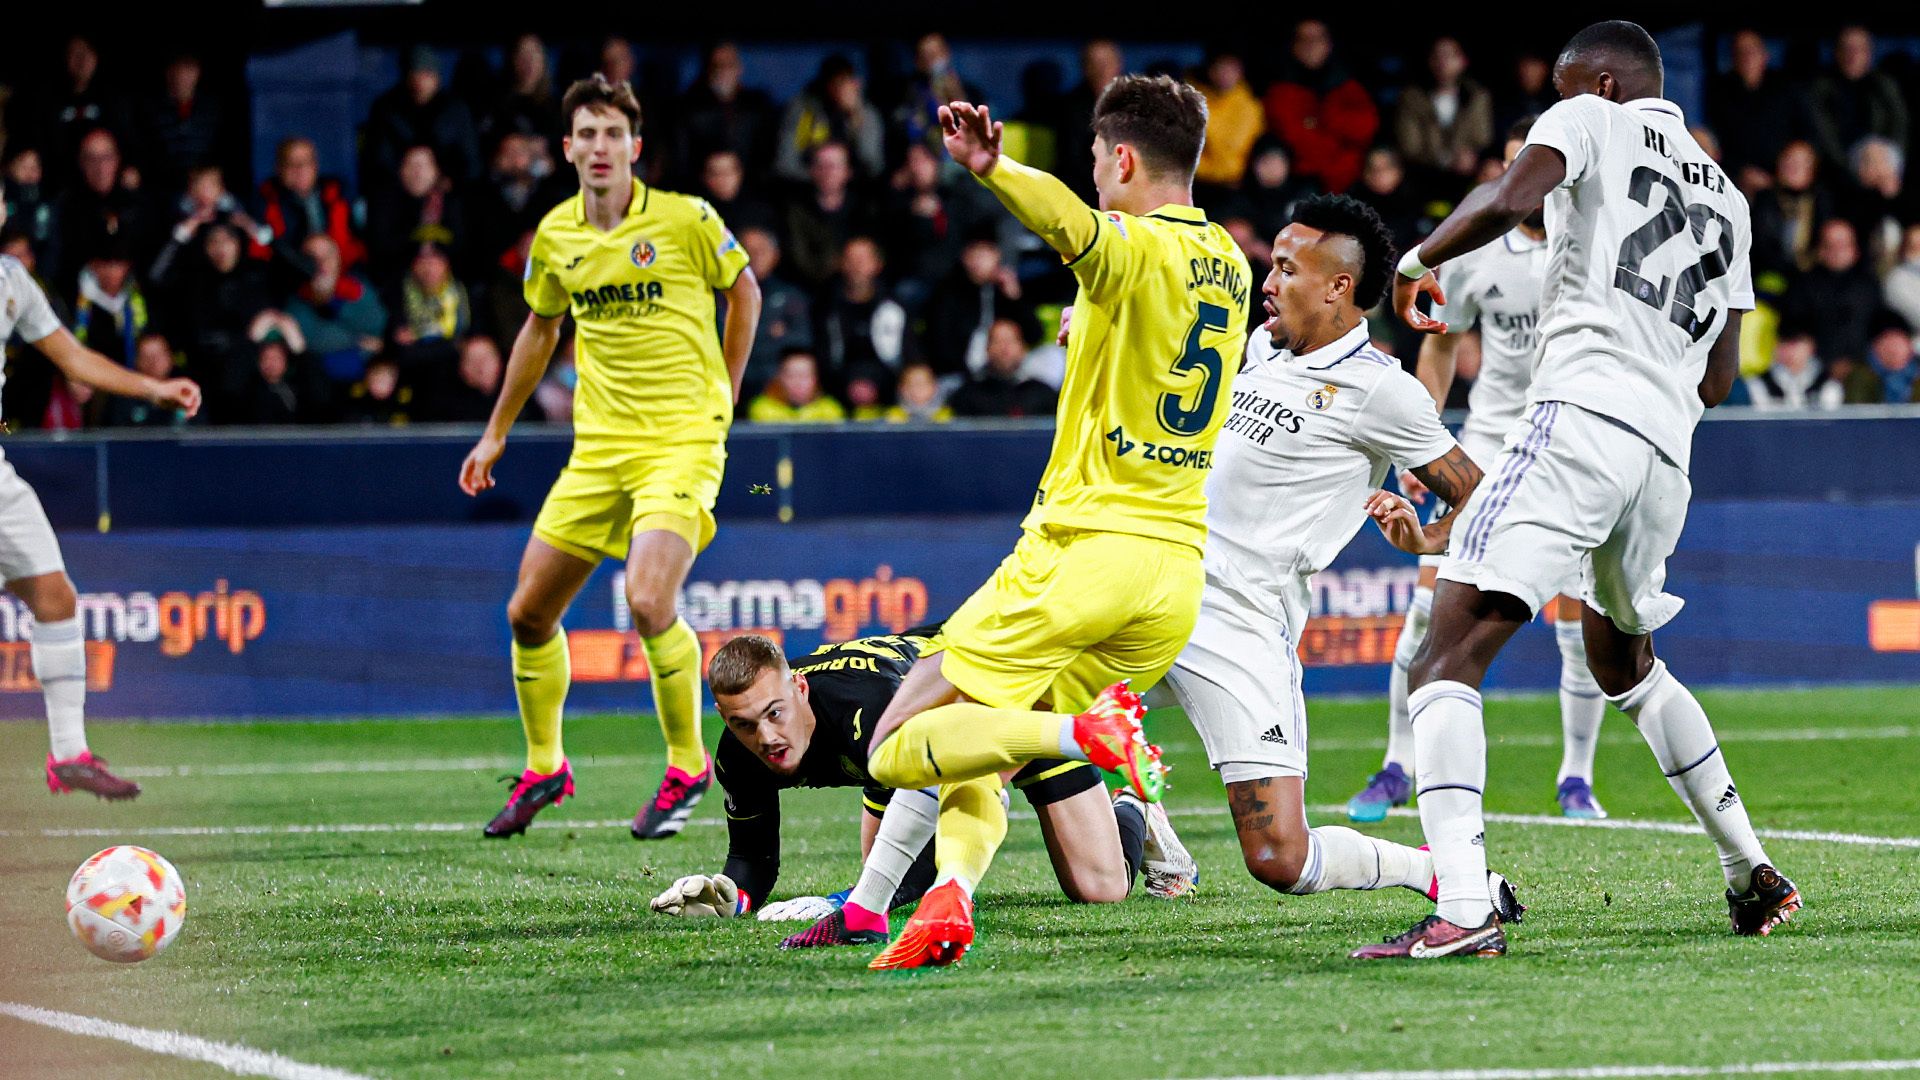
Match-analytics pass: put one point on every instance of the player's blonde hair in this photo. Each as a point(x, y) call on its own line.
point(740, 663)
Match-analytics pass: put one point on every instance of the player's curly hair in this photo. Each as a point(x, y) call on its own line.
point(1348, 216)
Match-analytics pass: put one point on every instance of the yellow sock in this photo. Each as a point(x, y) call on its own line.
point(963, 741)
point(541, 674)
point(673, 659)
point(973, 822)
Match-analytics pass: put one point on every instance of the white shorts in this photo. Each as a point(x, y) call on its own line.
point(1484, 448)
point(1239, 681)
point(1574, 493)
point(27, 546)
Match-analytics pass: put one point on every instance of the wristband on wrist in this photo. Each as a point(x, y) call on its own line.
point(1411, 266)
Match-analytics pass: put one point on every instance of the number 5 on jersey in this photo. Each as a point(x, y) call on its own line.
point(1176, 415)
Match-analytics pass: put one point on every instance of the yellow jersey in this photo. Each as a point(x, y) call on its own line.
point(1159, 326)
point(646, 344)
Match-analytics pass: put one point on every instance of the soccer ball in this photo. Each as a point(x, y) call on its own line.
point(126, 904)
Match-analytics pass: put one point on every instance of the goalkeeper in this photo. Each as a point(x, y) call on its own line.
point(809, 724)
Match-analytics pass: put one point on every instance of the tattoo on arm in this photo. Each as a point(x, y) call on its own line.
point(1452, 477)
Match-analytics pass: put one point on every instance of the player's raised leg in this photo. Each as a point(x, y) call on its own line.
point(1582, 708)
point(657, 566)
point(549, 580)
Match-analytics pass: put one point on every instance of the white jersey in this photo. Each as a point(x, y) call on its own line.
point(23, 307)
point(1497, 286)
point(1648, 243)
point(1309, 437)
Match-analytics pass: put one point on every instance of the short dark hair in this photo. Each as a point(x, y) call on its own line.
point(595, 91)
point(1348, 216)
point(1521, 128)
point(739, 663)
point(1162, 118)
point(792, 351)
point(1620, 39)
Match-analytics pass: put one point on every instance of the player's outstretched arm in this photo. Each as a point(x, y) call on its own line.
point(1723, 363)
point(1488, 212)
point(1038, 199)
point(83, 365)
point(532, 350)
point(743, 321)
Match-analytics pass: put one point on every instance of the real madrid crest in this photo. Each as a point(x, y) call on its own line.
point(643, 253)
point(1322, 399)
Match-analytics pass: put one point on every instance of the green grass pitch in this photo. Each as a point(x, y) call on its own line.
point(416, 952)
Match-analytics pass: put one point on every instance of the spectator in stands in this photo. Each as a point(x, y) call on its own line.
point(786, 314)
point(295, 202)
point(616, 60)
point(526, 105)
point(1902, 284)
point(1530, 94)
point(30, 375)
point(1383, 186)
point(833, 109)
point(1254, 244)
point(821, 219)
point(1446, 124)
point(718, 115)
point(30, 205)
point(82, 104)
point(1874, 203)
point(1796, 379)
point(866, 393)
point(723, 180)
point(1272, 188)
point(1323, 113)
point(501, 308)
point(381, 398)
point(1838, 298)
point(342, 318)
point(962, 310)
point(182, 129)
point(924, 221)
point(1889, 375)
point(934, 82)
point(275, 392)
point(435, 311)
point(919, 398)
point(102, 203)
point(519, 190)
point(423, 208)
point(153, 357)
point(794, 396)
point(109, 310)
point(208, 202)
point(1235, 121)
point(1100, 63)
point(1788, 215)
point(1751, 107)
point(861, 325)
point(1854, 101)
point(216, 298)
point(469, 395)
point(418, 111)
point(999, 389)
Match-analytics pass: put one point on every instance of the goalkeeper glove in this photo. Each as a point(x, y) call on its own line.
point(699, 896)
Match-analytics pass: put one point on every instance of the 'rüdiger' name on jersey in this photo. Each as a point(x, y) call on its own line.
point(646, 348)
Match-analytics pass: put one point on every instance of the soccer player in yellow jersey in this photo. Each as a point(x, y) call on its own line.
point(1104, 585)
point(638, 269)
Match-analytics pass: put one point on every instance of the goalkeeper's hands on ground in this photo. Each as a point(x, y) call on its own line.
point(698, 896)
point(799, 909)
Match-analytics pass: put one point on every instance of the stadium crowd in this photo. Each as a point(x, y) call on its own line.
point(895, 289)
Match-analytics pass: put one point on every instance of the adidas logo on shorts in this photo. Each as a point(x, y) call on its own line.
point(1727, 799)
point(1274, 735)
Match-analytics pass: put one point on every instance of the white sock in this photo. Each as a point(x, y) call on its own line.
point(1399, 725)
point(1340, 858)
point(60, 663)
point(1582, 705)
point(1683, 743)
point(904, 831)
point(1069, 747)
point(966, 886)
point(1450, 759)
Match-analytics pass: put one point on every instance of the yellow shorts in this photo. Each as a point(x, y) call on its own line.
point(606, 494)
point(1068, 614)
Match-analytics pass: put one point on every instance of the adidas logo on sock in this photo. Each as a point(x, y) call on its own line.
point(1728, 798)
point(1274, 735)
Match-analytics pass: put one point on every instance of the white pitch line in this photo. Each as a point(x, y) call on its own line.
point(1204, 810)
point(1611, 1072)
point(487, 764)
point(241, 1060)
